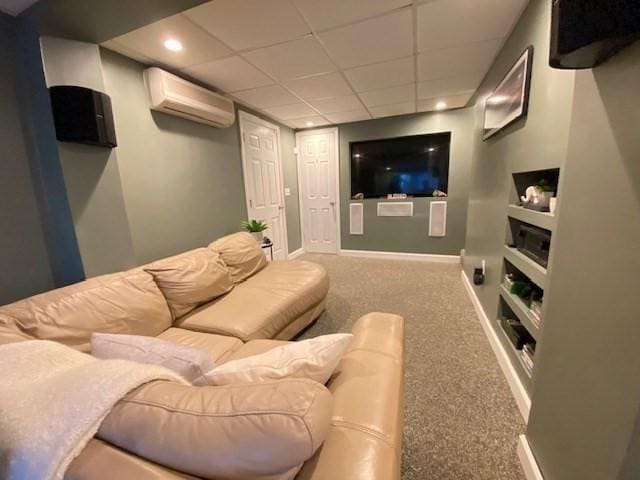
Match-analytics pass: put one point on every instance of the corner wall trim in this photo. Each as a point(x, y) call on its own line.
point(517, 388)
point(295, 254)
point(527, 460)
point(420, 257)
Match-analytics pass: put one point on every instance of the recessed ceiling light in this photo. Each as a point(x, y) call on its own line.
point(173, 44)
point(388, 168)
point(441, 105)
point(432, 149)
point(357, 155)
point(309, 124)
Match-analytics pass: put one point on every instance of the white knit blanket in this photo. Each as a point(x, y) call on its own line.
point(52, 401)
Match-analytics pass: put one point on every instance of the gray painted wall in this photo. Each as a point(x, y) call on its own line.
point(586, 399)
point(23, 251)
point(91, 174)
point(182, 181)
point(290, 174)
point(537, 142)
point(409, 234)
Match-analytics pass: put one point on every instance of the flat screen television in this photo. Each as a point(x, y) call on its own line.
point(417, 166)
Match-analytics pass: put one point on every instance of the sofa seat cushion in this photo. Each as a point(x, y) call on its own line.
point(126, 302)
point(241, 253)
point(265, 303)
point(190, 279)
point(219, 347)
point(255, 347)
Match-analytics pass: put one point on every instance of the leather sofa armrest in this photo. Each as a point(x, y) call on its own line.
point(365, 439)
point(228, 432)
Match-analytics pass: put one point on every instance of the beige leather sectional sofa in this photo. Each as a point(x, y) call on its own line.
point(228, 300)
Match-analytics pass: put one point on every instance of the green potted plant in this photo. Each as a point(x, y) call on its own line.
point(255, 228)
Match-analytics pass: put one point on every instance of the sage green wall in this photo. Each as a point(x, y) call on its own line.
point(586, 400)
point(23, 251)
point(182, 181)
point(409, 234)
point(91, 174)
point(537, 142)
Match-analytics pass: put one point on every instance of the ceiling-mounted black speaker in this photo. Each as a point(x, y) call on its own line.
point(82, 115)
point(584, 33)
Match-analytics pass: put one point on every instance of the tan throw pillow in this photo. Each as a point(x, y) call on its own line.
point(241, 253)
point(315, 359)
point(189, 362)
point(191, 279)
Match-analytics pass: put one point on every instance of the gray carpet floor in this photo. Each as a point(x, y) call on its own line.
point(461, 421)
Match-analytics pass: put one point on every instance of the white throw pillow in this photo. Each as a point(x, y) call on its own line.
point(315, 359)
point(189, 362)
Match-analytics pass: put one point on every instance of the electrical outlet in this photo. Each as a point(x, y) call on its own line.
point(287, 192)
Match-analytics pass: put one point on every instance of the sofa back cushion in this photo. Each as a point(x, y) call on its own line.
point(191, 279)
point(241, 253)
point(125, 302)
point(235, 431)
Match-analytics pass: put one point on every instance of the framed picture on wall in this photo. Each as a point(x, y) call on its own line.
point(510, 100)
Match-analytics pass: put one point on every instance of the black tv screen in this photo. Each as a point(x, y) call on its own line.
point(416, 166)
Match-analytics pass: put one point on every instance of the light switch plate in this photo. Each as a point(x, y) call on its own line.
point(287, 192)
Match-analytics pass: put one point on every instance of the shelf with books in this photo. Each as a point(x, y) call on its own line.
point(529, 319)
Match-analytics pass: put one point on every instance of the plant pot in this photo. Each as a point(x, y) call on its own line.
point(258, 236)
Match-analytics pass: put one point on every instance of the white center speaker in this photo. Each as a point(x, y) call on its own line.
point(356, 219)
point(437, 219)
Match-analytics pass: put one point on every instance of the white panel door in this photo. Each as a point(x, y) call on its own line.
point(263, 179)
point(318, 177)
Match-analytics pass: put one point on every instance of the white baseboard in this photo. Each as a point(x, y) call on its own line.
point(420, 257)
point(517, 388)
point(527, 460)
point(295, 254)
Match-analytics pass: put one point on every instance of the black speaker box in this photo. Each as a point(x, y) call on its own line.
point(82, 115)
point(585, 33)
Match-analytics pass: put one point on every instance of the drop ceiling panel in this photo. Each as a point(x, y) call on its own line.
point(450, 23)
point(198, 46)
point(395, 109)
point(244, 24)
point(307, 122)
point(337, 104)
point(453, 101)
point(387, 96)
point(351, 116)
point(295, 59)
point(288, 112)
point(376, 40)
point(332, 60)
point(382, 75)
point(265, 97)
point(331, 13)
point(455, 61)
point(230, 74)
point(442, 87)
point(321, 86)
point(14, 7)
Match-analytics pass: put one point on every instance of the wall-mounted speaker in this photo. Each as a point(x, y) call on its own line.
point(437, 219)
point(395, 209)
point(82, 115)
point(356, 219)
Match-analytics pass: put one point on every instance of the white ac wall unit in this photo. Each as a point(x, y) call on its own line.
point(175, 96)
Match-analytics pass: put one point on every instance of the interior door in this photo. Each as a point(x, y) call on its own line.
point(263, 179)
point(318, 174)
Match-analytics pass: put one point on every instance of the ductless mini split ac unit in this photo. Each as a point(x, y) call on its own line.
point(175, 96)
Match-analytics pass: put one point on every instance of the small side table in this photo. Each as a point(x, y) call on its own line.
point(268, 245)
